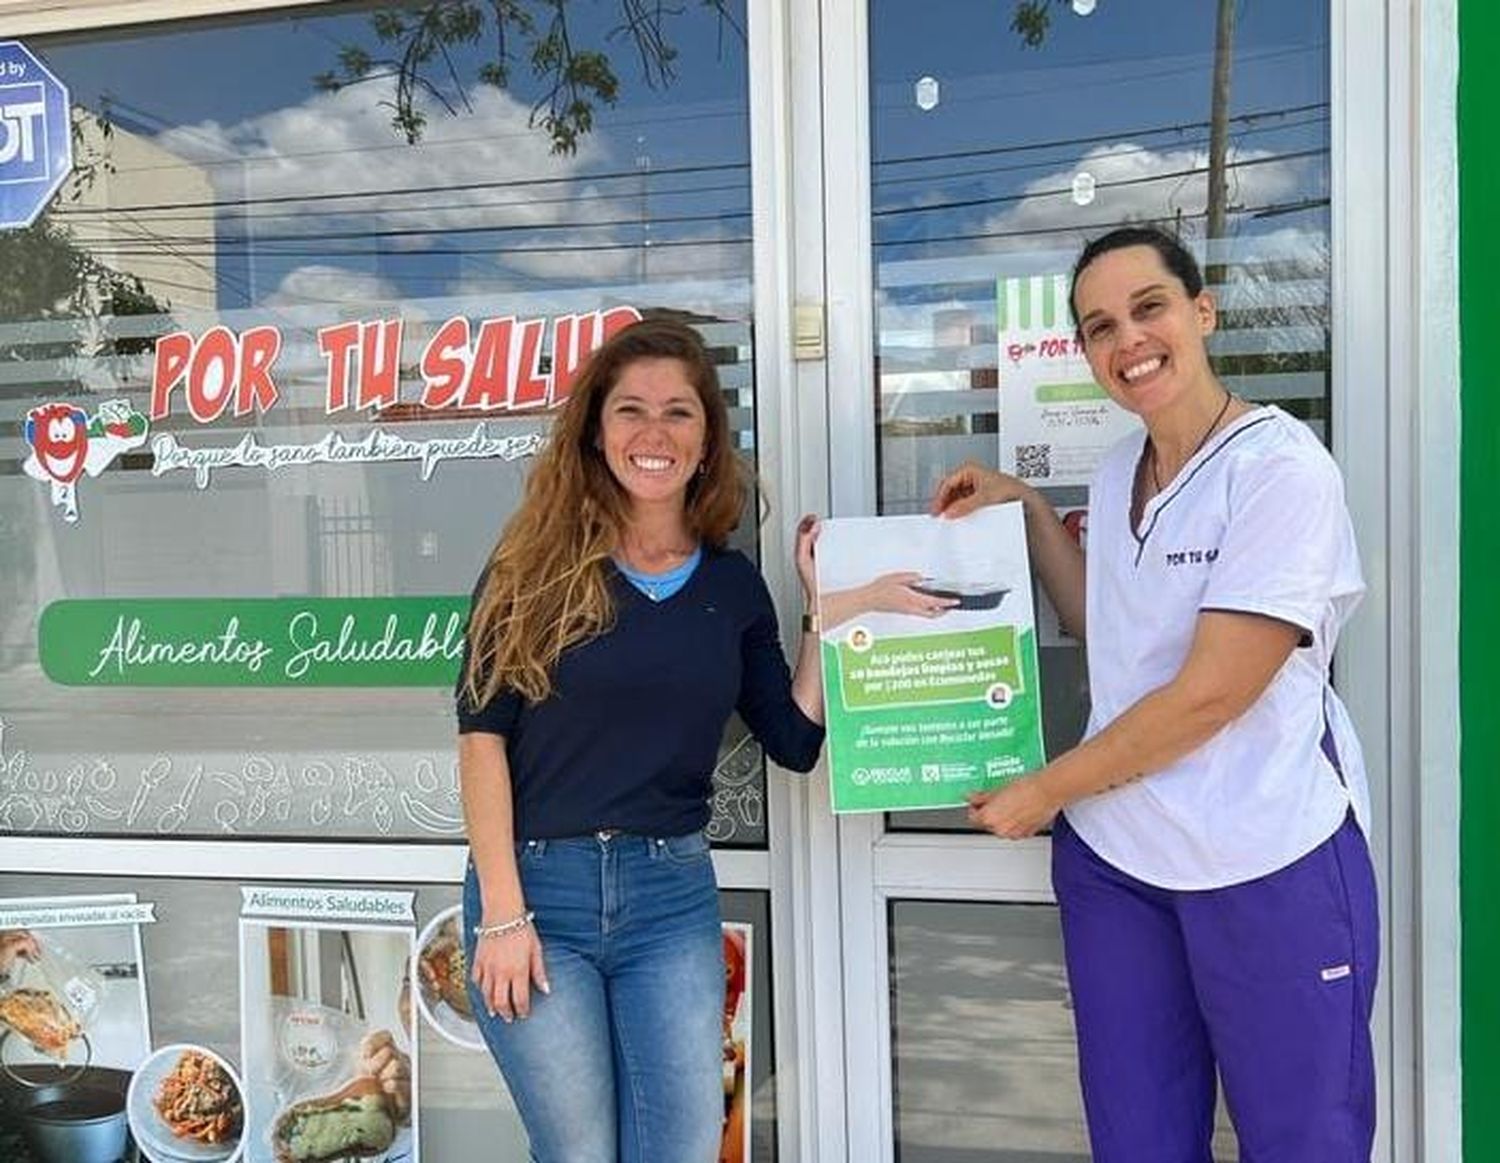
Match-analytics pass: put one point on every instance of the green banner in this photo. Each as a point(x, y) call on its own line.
point(921, 721)
point(1069, 393)
point(337, 642)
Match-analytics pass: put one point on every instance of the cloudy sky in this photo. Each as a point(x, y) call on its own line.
point(978, 144)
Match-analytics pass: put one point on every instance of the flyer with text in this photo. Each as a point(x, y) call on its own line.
point(1055, 421)
point(329, 1044)
point(929, 658)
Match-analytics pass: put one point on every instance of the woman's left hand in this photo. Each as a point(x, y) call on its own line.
point(807, 570)
point(1016, 810)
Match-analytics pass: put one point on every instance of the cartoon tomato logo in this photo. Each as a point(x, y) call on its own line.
point(58, 434)
point(67, 444)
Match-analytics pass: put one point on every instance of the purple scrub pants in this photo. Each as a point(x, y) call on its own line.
point(1271, 981)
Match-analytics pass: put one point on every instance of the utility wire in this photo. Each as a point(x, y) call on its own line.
point(268, 244)
point(635, 174)
point(1126, 151)
point(664, 193)
point(1267, 210)
point(1164, 176)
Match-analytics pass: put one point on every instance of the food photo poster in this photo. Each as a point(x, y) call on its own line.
point(441, 973)
point(74, 1022)
point(929, 649)
point(72, 992)
point(329, 1048)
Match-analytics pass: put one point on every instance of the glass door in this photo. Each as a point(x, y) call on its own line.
point(970, 150)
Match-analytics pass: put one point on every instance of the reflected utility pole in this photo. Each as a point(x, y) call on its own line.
point(643, 167)
point(1218, 122)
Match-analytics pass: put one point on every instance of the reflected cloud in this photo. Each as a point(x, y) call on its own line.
point(496, 209)
point(1132, 182)
point(325, 283)
point(338, 142)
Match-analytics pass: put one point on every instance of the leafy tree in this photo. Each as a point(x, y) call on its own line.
point(1032, 20)
point(418, 41)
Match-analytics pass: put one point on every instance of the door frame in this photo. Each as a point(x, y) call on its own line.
point(1393, 166)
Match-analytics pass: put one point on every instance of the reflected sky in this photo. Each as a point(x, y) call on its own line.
point(314, 196)
point(1120, 96)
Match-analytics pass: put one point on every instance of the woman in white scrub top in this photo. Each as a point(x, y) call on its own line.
point(1209, 853)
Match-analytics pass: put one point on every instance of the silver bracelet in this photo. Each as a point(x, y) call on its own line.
point(515, 925)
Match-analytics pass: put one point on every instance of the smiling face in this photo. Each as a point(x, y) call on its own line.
point(1142, 332)
point(58, 434)
point(653, 431)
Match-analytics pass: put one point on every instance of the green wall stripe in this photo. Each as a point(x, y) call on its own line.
point(1479, 603)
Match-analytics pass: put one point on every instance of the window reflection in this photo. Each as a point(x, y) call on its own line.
point(383, 170)
point(195, 966)
point(1005, 135)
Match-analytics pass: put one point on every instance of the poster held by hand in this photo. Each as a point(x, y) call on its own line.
point(929, 653)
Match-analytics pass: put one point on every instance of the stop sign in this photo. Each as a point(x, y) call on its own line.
point(36, 137)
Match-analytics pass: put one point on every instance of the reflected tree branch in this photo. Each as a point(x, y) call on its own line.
point(574, 79)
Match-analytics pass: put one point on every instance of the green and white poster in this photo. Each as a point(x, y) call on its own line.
point(1055, 421)
point(929, 658)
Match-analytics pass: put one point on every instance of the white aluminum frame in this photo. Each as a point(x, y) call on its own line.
point(1361, 375)
point(1428, 375)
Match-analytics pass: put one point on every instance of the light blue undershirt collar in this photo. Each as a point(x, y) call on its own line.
point(660, 586)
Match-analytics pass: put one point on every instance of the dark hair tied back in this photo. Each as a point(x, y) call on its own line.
point(1174, 256)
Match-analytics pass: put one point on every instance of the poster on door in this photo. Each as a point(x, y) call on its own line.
point(329, 1048)
point(75, 1039)
point(929, 658)
point(1056, 423)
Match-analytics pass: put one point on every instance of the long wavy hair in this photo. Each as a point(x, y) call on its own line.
point(546, 586)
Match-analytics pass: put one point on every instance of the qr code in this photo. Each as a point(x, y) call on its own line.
point(1033, 461)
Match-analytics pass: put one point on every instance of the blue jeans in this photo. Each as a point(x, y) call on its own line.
point(622, 1062)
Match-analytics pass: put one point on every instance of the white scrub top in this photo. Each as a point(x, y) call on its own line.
point(1254, 522)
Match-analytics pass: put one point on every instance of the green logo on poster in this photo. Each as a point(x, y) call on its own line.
point(353, 642)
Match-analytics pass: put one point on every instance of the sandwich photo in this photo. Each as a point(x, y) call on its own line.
point(354, 1122)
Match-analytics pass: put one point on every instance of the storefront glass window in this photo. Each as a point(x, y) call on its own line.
point(1002, 137)
point(275, 362)
point(275, 997)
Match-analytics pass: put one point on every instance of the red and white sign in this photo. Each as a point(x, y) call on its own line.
point(488, 364)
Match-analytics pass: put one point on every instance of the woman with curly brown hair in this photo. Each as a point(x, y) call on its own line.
point(612, 636)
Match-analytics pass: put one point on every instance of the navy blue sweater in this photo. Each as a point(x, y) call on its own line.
point(630, 734)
